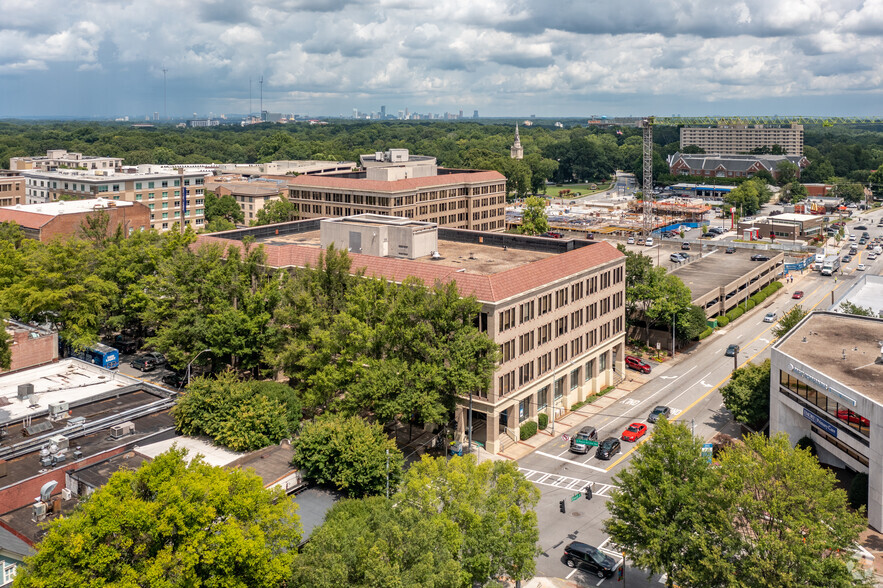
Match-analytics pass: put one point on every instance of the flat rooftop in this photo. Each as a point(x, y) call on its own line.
point(867, 292)
point(827, 336)
point(70, 206)
point(109, 175)
point(69, 380)
point(271, 464)
point(212, 454)
point(718, 269)
point(477, 259)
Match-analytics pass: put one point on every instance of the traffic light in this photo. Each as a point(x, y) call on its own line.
point(588, 492)
point(562, 507)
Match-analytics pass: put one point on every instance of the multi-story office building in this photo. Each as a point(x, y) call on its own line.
point(556, 308)
point(12, 188)
point(732, 139)
point(61, 159)
point(825, 385)
point(395, 183)
point(251, 196)
point(161, 192)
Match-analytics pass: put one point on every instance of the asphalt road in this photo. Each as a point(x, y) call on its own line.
point(691, 389)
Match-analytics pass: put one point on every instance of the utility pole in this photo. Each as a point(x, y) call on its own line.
point(165, 111)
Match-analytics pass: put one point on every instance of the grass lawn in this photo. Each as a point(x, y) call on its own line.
point(577, 190)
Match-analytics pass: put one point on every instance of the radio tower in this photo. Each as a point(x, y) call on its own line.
point(165, 111)
point(261, 82)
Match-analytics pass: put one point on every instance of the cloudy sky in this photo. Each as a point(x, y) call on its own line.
point(501, 57)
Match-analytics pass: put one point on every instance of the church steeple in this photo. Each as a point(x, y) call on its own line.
point(516, 151)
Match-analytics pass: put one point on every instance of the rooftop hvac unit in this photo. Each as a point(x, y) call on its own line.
point(39, 510)
point(57, 408)
point(66, 493)
point(60, 442)
point(122, 429)
point(25, 390)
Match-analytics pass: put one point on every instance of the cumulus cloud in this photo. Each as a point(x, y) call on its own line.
point(504, 56)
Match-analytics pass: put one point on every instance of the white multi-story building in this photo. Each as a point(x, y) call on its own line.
point(61, 159)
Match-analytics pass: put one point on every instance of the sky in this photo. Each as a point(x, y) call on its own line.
point(549, 58)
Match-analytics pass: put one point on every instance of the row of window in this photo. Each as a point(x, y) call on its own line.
point(844, 415)
point(385, 200)
point(527, 409)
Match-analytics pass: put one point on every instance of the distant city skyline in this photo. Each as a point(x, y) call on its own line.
point(501, 57)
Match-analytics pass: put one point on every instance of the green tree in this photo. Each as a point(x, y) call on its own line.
point(875, 181)
point(5, 345)
point(279, 210)
point(659, 513)
point(541, 170)
point(12, 233)
point(786, 172)
point(224, 207)
point(789, 320)
point(848, 307)
point(216, 225)
point(747, 394)
point(691, 324)
point(787, 523)
point(748, 196)
point(534, 220)
point(171, 524)
point(372, 542)
point(492, 504)
point(796, 192)
point(765, 175)
point(850, 192)
point(348, 453)
point(233, 413)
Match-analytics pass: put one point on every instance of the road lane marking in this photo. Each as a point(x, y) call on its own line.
point(576, 463)
point(566, 482)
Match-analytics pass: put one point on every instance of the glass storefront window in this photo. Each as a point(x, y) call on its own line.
point(843, 415)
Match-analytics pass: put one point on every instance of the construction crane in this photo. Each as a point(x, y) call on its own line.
point(649, 122)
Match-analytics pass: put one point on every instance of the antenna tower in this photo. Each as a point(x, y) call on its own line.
point(165, 111)
point(261, 82)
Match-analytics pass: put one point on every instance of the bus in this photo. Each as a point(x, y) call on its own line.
point(99, 354)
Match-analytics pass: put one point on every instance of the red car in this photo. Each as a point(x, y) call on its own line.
point(637, 364)
point(798, 295)
point(634, 432)
point(851, 417)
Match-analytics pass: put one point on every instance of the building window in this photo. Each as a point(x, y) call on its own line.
point(574, 379)
point(602, 362)
point(524, 410)
point(589, 369)
point(845, 417)
point(559, 388)
point(543, 398)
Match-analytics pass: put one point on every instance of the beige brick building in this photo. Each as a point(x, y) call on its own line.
point(733, 139)
point(556, 308)
point(12, 188)
point(62, 159)
point(251, 196)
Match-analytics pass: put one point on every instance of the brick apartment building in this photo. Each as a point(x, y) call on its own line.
point(555, 308)
point(730, 166)
point(12, 188)
point(51, 220)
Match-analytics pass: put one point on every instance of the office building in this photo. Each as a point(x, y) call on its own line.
point(733, 139)
point(396, 183)
point(64, 218)
point(555, 307)
point(12, 188)
point(825, 384)
point(61, 159)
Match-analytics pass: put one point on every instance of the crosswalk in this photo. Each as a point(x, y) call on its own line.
point(566, 482)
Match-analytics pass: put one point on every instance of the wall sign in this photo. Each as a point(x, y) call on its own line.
point(820, 422)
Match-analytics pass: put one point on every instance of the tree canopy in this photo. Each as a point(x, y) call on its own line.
point(789, 320)
point(171, 524)
point(279, 210)
point(534, 220)
point(222, 207)
point(747, 394)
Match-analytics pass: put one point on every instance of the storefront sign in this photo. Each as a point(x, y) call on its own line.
point(825, 387)
point(820, 422)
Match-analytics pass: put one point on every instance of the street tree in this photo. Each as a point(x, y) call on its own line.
point(349, 453)
point(224, 207)
point(5, 345)
point(279, 210)
point(747, 394)
point(534, 220)
point(787, 522)
point(659, 511)
point(789, 320)
point(541, 170)
point(373, 542)
point(748, 197)
point(690, 324)
point(848, 307)
point(491, 505)
point(171, 524)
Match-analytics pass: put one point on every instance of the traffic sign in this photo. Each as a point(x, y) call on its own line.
point(588, 442)
point(565, 437)
point(576, 497)
point(707, 451)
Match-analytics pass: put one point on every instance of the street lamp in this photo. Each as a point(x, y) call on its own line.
point(191, 363)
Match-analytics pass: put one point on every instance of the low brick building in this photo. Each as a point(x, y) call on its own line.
point(50, 220)
point(30, 346)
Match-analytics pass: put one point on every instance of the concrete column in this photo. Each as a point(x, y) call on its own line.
point(875, 471)
point(493, 426)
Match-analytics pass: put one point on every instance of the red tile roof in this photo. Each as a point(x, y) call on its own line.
point(31, 220)
point(487, 288)
point(395, 185)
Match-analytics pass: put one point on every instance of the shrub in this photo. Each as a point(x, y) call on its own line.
point(722, 321)
point(858, 491)
point(543, 421)
point(735, 313)
point(807, 443)
point(705, 333)
point(528, 430)
point(750, 304)
point(578, 405)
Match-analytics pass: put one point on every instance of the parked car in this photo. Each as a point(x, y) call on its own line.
point(640, 240)
point(552, 235)
point(175, 380)
point(649, 242)
point(675, 258)
point(637, 364)
point(125, 345)
point(585, 557)
point(608, 448)
point(852, 237)
point(158, 358)
point(143, 363)
point(634, 432)
point(759, 257)
point(797, 295)
point(658, 412)
point(730, 250)
point(685, 246)
point(861, 228)
point(770, 317)
point(732, 350)
point(709, 235)
point(585, 434)
point(630, 241)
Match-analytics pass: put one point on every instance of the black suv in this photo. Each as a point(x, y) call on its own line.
point(608, 448)
point(144, 364)
point(759, 257)
point(175, 380)
point(586, 557)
